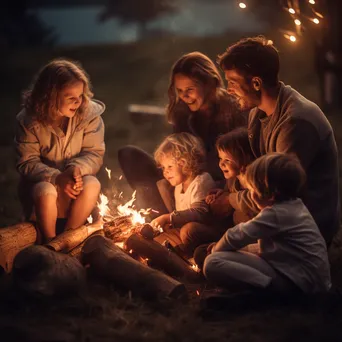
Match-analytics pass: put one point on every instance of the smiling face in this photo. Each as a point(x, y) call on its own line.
point(172, 171)
point(70, 99)
point(192, 93)
point(244, 92)
point(227, 165)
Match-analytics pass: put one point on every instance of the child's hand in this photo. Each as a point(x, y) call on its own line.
point(221, 206)
point(161, 221)
point(78, 186)
point(66, 182)
point(212, 195)
point(210, 248)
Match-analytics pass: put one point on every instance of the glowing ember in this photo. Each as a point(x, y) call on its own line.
point(120, 244)
point(195, 267)
point(109, 172)
point(120, 177)
point(197, 292)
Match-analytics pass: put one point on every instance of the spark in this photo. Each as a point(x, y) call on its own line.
point(109, 172)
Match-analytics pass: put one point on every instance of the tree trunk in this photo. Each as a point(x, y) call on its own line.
point(13, 239)
point(109, 261)
point(162, 258)
point(39, 271)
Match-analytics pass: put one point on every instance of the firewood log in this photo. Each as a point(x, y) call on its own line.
point(39, 271)
point(71, 238)
point(111, 262)
point(162, 258)
point(13, 239)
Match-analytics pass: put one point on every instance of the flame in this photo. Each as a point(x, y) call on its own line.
point(103, 205)
point(128, 210)
point(109, 172)
point(195, 267)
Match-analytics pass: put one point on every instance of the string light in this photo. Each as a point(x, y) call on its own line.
point(299, 16)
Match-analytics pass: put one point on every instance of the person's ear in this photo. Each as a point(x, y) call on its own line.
point(256, 83)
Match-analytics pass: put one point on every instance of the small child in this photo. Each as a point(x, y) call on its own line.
point(292, 252)
point(182, 159)
point(235, 155)
point(60, 146)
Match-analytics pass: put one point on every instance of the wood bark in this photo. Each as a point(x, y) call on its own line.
point(40, 271)
point(13, 239)
point(162, 258)
point(71, 238)
point(111, 262)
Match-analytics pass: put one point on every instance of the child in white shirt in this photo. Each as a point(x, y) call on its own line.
point(292, 252)
point(182, 159)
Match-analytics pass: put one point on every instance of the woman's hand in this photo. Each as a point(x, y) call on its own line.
point(212, 195)
point(66, 182)
point(161, 221)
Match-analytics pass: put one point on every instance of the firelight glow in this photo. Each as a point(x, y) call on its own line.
point(312, 2)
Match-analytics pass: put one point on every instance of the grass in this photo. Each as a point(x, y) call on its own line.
point(138, 73)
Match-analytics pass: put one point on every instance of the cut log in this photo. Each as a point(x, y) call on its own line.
point(162, 258)
point(39, 271)
point(13, 239)
point(111, 262)
point(71, 238)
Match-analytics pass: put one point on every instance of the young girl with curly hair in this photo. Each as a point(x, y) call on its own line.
point(60, 146)
point(181, 157)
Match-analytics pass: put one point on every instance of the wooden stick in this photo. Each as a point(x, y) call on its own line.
point(162, 258)
point(71, 238)
point(111, 262)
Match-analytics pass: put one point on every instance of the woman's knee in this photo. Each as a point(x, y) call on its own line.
point(43, 189)
point(91, 184)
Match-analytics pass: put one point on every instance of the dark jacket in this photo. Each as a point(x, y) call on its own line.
point(299, 126)
point(225, 117)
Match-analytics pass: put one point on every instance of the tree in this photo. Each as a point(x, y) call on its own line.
point(20, 27)
point(137, 11)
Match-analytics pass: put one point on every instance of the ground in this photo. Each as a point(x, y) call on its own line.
point(138, 73)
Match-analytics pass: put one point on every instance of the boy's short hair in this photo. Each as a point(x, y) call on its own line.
point(253, 57)
point(186, 147)
point(236, 143)
point(276, 174)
